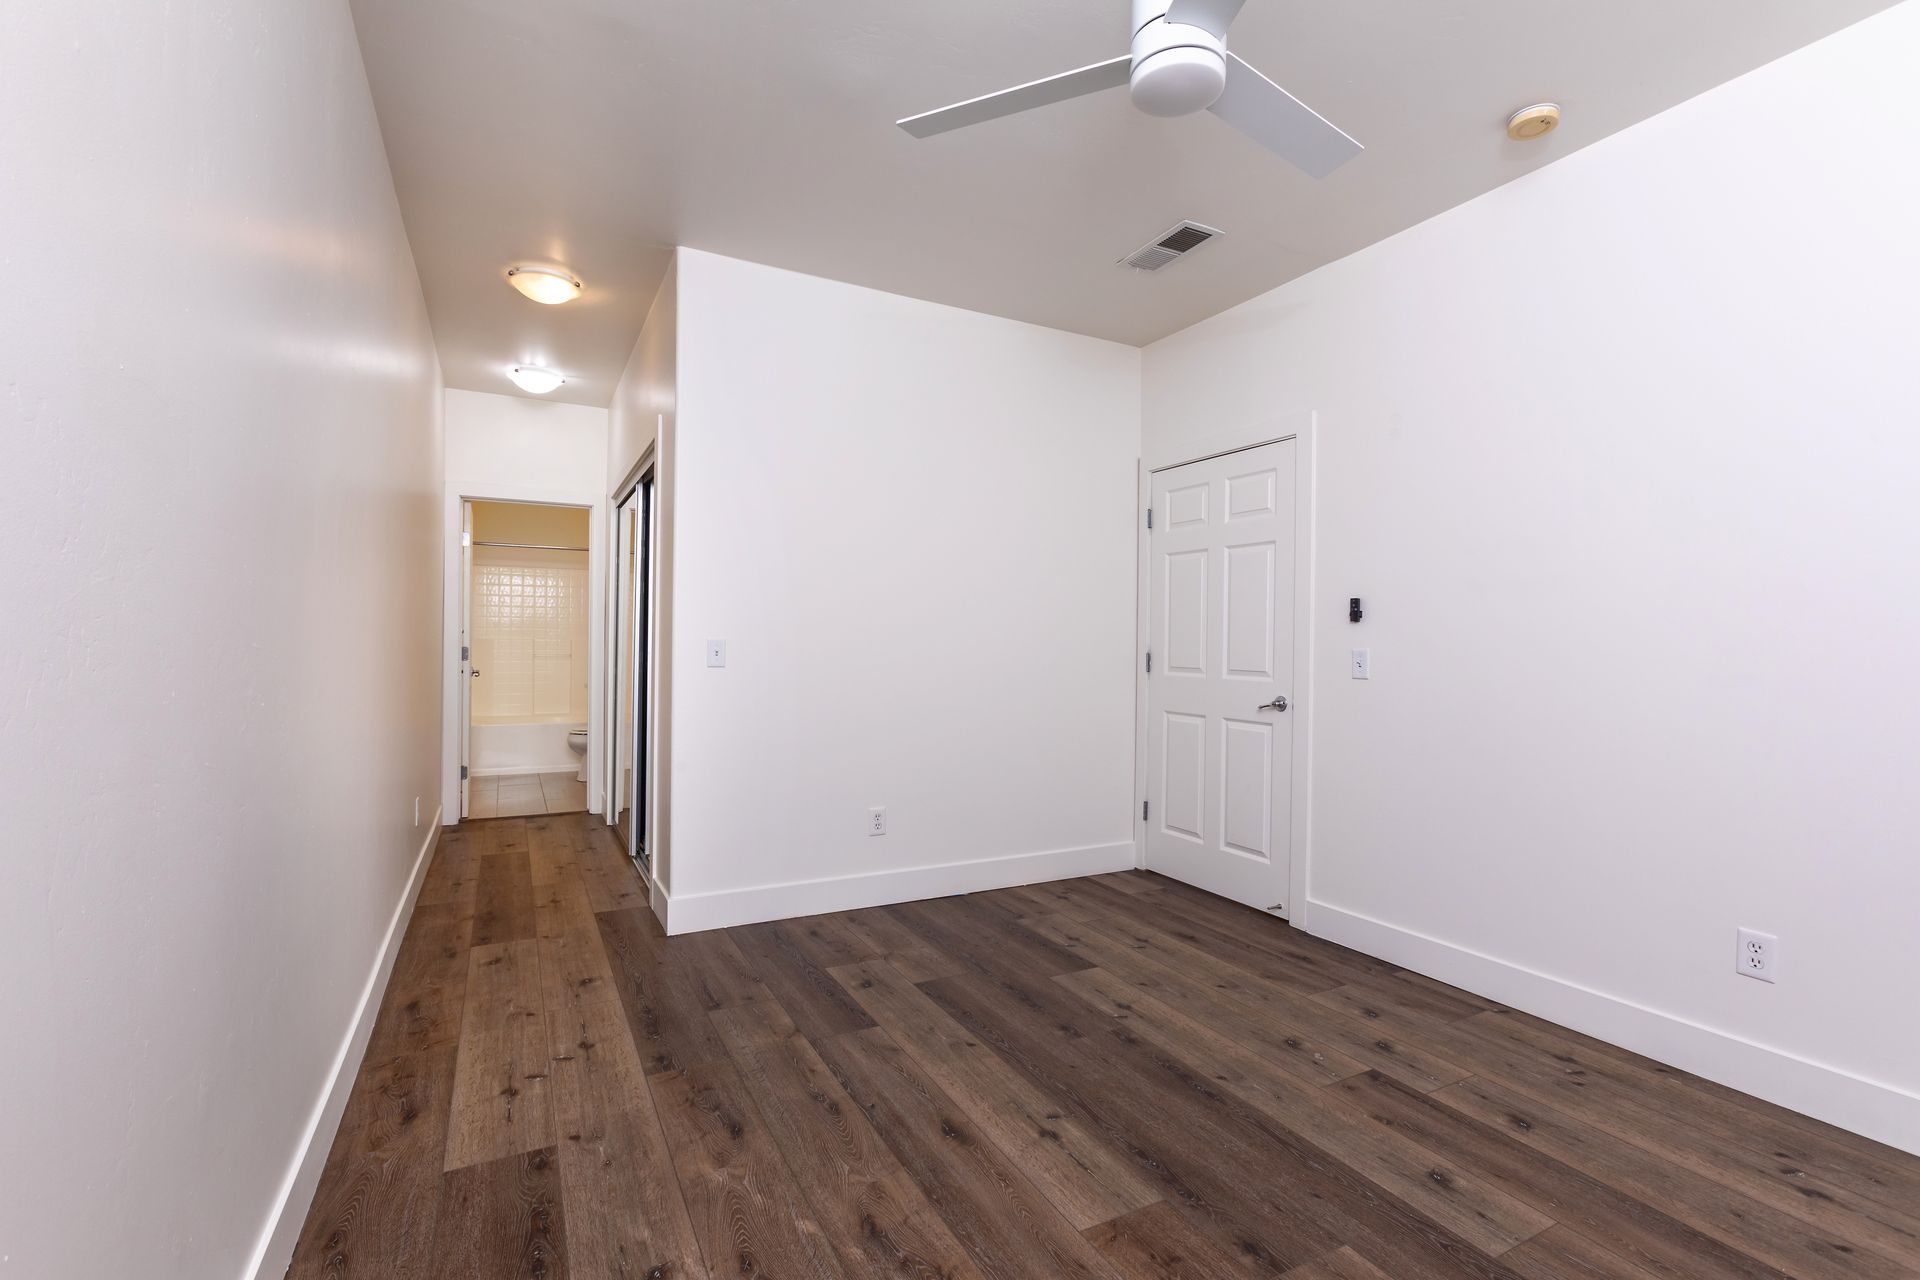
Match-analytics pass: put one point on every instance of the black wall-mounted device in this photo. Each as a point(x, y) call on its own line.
point(1353, 609)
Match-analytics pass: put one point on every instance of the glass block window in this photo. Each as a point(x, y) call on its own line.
point(530, 635)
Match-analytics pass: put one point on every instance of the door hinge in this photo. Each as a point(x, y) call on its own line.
point(1149, 517)
point(466, 539)
point(1149, 662)
point(465, 653)
point(463, 773)
point(1143, 810)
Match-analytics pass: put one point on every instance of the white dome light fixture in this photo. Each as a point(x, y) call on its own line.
point(534, 380)
point(551, 285)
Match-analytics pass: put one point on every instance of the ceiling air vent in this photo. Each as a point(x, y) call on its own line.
point(1170, 247)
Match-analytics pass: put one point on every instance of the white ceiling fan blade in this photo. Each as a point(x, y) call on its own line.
point(1070, 84)
point(1209, 15)
point(1281, 123)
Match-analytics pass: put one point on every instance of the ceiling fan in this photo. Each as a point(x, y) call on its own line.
point(1179, 65)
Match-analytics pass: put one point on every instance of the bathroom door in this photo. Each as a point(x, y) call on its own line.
point(466, 652)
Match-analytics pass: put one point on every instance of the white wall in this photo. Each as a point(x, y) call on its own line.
point(913, 526)
point(1622, 459)
point(220, 571)
point(644, 399)
point(541, 445)
point(524, 450)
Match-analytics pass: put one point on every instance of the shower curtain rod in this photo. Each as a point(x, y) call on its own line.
point(527, 546)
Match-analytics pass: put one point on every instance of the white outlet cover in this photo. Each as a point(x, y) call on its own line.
point(1758, 955)
point(716, 653)
point(877, 821)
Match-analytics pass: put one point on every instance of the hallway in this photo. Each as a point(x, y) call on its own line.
point(1115, 1077)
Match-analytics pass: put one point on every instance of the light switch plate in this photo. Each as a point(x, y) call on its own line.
point(1361, 664)
point(716, 653)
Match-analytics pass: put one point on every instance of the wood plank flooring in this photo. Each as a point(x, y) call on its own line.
point(1115, 1078)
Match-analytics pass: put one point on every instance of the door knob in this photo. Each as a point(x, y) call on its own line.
point(476, 673)
point(1279, 703)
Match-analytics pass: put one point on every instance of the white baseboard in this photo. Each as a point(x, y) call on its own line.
point(692, 913)
point(656, 898)
point(527, 770)
point(1872, 1108)
point(274, 1251)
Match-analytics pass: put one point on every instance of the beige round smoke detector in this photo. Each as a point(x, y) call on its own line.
point(1536, 121)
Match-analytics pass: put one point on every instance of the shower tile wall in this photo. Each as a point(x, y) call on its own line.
point(530, 636)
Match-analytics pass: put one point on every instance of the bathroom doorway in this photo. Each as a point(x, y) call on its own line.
point(526, 644)
point(631, 785)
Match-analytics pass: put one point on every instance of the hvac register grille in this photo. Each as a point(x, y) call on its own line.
point(1171, 247)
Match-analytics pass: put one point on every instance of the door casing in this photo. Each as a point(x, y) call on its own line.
point(643, 608)
point(466, 657)
point(457, 585)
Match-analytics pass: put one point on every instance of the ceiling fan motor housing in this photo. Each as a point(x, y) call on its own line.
point(1177, 69)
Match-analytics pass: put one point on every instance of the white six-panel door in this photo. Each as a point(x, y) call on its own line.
point(1219, 746)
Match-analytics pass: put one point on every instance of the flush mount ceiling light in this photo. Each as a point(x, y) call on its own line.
point(1536, 121)
point(551, 285)
point(534, 380)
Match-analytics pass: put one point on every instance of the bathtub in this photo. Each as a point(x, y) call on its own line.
point(521, 747)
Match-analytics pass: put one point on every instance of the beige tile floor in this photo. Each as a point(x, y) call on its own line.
point(522, 795)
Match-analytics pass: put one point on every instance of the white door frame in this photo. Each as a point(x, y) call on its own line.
point(459, 492)
point(647, 464)
point(643, 470)
point(466, 658)
point(617, 607)
point(1298, 427)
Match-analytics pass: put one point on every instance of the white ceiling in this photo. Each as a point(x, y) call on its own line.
point(600, 132)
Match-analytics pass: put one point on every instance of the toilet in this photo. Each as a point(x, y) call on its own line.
point(577, 743)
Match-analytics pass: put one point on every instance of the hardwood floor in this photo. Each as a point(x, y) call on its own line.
point(1117, 1078)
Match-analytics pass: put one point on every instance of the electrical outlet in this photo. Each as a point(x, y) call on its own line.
point(877, 821)
point(1362, 664)
point(716, 653)
point(1759, 955)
